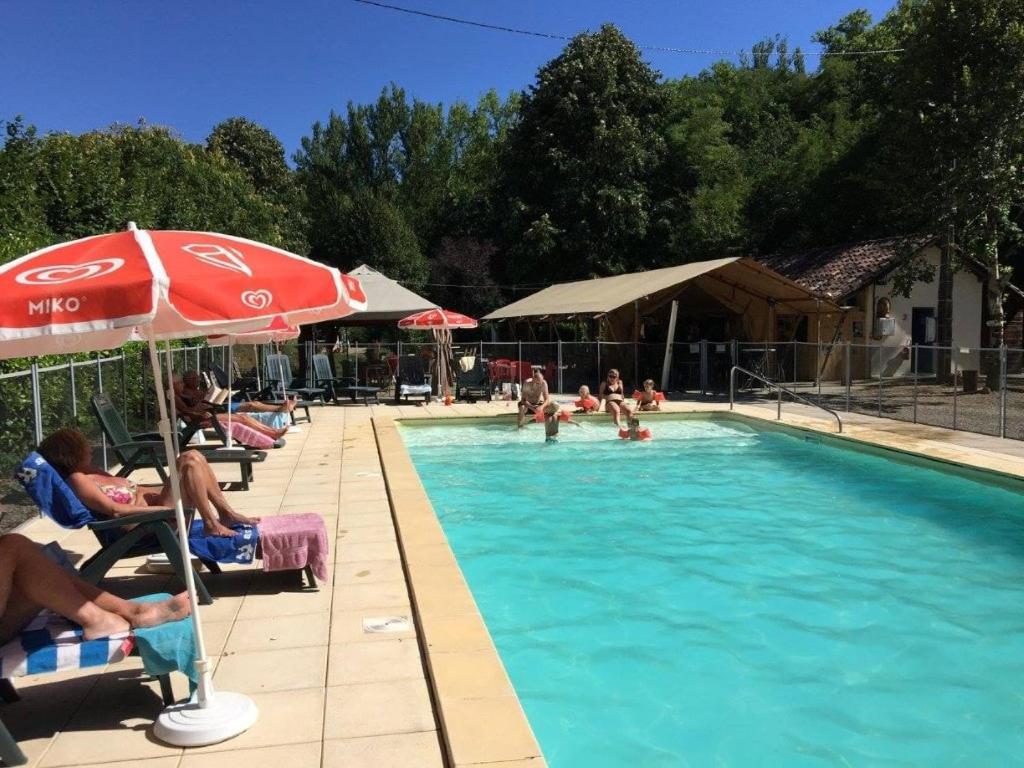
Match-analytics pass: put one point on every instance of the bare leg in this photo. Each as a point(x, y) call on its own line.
point(216, 496)
point(613, 409)
point(29, 580)
point(195, 493)
point(259, 426)
point(522, 415)
point(256, 407)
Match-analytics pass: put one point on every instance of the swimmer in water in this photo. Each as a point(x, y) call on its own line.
point(552, 415)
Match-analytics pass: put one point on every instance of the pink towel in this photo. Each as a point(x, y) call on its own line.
point(291, 542)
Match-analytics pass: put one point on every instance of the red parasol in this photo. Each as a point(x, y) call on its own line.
point(89, 294)
point(102, 291)
point(441, 322)
point(437, 318)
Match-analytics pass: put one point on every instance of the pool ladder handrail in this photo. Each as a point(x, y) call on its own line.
point(780, 388)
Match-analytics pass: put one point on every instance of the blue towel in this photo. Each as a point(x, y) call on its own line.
point(170, 647)
point(240, 548)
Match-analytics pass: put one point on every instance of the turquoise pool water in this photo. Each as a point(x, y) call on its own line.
point(723, 596)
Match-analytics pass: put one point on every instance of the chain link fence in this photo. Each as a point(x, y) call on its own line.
point(972, 389)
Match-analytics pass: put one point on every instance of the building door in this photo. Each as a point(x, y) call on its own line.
point(923, 337)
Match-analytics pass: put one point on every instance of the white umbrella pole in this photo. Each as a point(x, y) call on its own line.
point(209, 717)
point(205, 689)
point(280, 371)
point(170, 395)
point(230, 366)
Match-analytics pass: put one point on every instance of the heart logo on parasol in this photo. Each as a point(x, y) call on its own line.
point(257, 299)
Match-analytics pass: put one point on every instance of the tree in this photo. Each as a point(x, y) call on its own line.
point(23, 226)
point(254, 149)
point(579, 161)
point(955, 110)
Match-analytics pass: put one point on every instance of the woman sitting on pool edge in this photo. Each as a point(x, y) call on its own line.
point(614, 397)
point(70, 453)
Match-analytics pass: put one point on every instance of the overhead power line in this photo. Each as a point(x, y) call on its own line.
point(556, 36)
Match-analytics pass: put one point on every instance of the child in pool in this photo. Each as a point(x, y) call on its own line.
point(648, 400)
point(552, 415)
point(635, 431)
point(587, 402)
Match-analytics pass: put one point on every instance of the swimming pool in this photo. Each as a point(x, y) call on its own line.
point(724, 595)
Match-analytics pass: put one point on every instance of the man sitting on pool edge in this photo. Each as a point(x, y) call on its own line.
point(535, 396)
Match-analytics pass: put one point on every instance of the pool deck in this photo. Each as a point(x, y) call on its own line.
point(329, 693)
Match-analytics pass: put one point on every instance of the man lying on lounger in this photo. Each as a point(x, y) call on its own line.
point(535, 396)
point(189, 404)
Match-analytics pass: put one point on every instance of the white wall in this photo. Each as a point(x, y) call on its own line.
point(967, 312)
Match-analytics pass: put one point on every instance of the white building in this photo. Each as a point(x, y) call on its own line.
point(883, 325)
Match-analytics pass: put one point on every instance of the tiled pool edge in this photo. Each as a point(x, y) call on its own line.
point(481, 718)
point(457, 649)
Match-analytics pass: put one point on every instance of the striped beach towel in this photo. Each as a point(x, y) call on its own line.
point(51, 643)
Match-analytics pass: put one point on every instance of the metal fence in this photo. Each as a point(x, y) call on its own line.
point(971, 389)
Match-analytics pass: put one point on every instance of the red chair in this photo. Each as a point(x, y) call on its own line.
point(500, 370)
point(521, 370)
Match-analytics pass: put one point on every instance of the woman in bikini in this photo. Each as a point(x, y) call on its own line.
point(70, 453)
point(614, 398)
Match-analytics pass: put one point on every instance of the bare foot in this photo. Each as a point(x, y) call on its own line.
point(233, 517)
point(154, 614)
point(105, 626)
point(277, 434)
point(216, 529)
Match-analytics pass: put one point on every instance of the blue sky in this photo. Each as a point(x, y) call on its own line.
point(75, 66)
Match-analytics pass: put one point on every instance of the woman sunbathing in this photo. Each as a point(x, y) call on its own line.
point(69, 452)
point(29, 581)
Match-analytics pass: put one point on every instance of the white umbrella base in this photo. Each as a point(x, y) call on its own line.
point(188, 725)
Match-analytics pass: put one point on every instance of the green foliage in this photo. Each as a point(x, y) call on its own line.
point(579, 162)
point(387, 182)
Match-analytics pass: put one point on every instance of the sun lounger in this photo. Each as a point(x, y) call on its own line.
point(412, 380)
point(49, 644)
point(278, 372)
point(143, 451)
point(341, 386)
point(150, 531)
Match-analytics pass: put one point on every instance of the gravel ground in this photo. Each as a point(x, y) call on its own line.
point(15, 507)
point(936, 405)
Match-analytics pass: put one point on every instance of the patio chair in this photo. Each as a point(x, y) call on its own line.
point(337, 386)
point(520, 371)
point(413, 380)
point(474, 384)
point(50, 643)
point(278, 369)
point(147, 450)
point(149, 532)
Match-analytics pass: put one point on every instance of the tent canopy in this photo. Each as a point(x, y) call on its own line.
point(386, 300)
point(735, 282)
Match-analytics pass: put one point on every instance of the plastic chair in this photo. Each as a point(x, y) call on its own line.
point(151, 532)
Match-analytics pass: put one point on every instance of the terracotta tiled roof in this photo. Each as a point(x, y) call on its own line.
point(839, 270)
